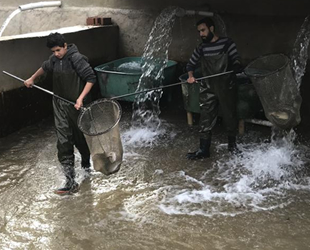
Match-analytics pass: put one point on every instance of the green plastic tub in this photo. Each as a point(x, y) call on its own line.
point(122, 76)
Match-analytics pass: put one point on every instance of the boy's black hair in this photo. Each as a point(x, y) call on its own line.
point(55, 39)
point(207, 21)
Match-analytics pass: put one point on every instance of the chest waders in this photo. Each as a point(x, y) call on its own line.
point(218, 93)
point(69, 86)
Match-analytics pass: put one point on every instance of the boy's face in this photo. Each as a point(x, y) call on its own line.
point(59, 52)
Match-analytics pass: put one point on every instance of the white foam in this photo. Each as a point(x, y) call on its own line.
point(140, 136)
point(259, 180)
point(130, 67)
point(147, 136)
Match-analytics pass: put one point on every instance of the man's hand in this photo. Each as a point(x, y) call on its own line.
point(237, 68)
point(29, 83)
point(191, 80)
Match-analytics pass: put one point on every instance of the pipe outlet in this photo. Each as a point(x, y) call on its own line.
point(182, 13)
point(30, 6)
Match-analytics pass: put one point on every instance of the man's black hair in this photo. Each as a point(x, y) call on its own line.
point(207, 21)
point(55, 39)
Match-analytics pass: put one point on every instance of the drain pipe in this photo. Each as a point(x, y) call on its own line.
point(181, 13)
point(29, 6)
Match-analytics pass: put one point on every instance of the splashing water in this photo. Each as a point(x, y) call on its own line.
point(154, 60)
point(130, 67)
point(258, 180)
point(300, 51)
point(138, 137)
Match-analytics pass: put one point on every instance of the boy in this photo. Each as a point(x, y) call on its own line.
point(73, 79)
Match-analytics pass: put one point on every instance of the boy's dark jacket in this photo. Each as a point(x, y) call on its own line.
point(70, 73)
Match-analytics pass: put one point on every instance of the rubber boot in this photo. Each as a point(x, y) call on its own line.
point(202, 152)
point(232, 145)
point(85, 164)
point(70, 186)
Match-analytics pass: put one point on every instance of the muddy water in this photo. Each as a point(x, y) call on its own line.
point(158, 200)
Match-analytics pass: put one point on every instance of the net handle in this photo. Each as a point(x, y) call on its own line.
point(148, 90)
point(40, 88)
point(121, 96)
point(170, 85)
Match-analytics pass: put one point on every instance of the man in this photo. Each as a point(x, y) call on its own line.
point(73, 78)
point(216, 55)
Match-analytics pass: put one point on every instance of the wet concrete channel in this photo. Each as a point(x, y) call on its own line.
point(158, 200)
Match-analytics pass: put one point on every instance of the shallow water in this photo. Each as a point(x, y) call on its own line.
point(158, 200)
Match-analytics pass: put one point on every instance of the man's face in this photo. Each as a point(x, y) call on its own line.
point(59, 52)
point(203, 30)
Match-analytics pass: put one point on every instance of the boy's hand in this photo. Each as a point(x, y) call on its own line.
point(78, 104)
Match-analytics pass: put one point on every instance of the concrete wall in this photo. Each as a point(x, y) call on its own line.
point(22, 55)
point(258, 27)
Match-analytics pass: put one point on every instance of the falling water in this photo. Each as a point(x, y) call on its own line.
point(154, 60)
point(300, 51)
point(220, 25)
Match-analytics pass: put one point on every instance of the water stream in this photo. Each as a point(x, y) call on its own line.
point(220, 25)
point(299, 55)
point(154, 61)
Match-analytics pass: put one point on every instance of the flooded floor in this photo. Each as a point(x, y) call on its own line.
point(158, 200)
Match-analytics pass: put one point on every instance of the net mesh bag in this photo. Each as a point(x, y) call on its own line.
point(277, 89)
point(99, 117)
point(99, 123)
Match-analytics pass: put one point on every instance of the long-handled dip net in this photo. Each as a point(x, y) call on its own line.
point(99, 123)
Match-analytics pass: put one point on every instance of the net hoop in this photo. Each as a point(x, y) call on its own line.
point(83, 117)
point(280, 60)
